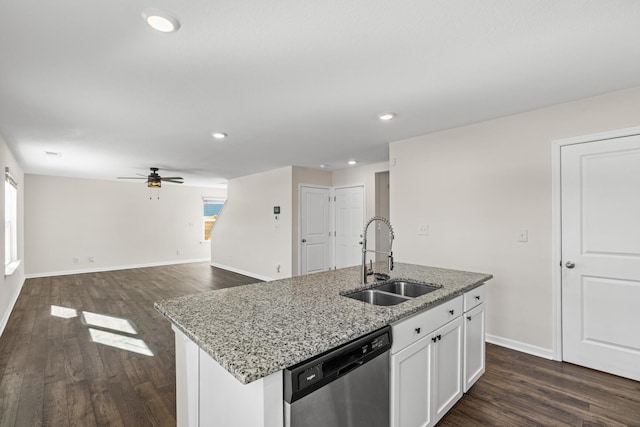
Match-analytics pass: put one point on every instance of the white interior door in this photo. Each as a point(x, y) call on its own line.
point(349, 214)
point(314, 229)
point(600, 191)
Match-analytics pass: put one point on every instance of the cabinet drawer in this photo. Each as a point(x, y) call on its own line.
point(474, 297)
point(409, 330)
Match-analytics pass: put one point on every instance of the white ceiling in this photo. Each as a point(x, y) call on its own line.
point(292, 82)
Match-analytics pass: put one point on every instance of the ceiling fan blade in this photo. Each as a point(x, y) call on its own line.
point(130, 177)
point(173, 181)
point(164, 178)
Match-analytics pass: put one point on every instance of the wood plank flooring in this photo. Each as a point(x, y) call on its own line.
point(53, 373)
point(518, 389)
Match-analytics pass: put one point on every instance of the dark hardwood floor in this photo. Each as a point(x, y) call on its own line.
point(59, 365)
point(54, 373)
point(518, 389)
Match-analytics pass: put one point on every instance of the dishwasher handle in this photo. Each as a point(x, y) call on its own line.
point(348, 368)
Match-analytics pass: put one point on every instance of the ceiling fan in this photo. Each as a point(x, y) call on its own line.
point(154, 180)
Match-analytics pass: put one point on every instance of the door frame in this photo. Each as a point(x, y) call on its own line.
point(332, 218)
point(332, 214)
point(331, 222)
point(556, 224)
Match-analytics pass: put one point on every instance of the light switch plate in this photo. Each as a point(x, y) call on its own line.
point(423, 230)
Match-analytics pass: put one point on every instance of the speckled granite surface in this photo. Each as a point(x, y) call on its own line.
point(255, 330)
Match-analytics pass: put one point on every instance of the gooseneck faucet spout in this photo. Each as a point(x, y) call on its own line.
point(389, 254)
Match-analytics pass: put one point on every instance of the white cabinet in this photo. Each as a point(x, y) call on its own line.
point(447, 362)
point(474, 335)
point(474, 345)
point(411, 373)
point(426, 365)
point(436, 356)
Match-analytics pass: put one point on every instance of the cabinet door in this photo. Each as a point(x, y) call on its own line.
point(447, 373)
point(411, 385)
point(474, 361)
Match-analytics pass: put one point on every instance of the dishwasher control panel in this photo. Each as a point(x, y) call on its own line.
point(307, 376)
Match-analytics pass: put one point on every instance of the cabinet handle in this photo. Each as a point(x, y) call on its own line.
point(417, 330)
point(469, 318)
point(478, 297)
point(451, 312)
point(439, 337)
point(434, 339)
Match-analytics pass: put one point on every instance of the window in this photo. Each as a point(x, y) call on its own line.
point(10, 223)
point(211, 212)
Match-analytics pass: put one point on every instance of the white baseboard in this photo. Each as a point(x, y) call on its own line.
point(244, 273)
point(12, 304)
point(114, 268)
point(534, 350)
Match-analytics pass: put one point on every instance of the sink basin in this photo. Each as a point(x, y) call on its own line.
point(392, 292)
point(407, 289)
point(377, 298)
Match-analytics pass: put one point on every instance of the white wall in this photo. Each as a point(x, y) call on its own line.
point(476, 186)
point(115, 222)
point(10, 286)
point(247, 238)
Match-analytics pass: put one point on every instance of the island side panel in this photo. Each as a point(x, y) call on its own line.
point(208, 395)
point(225, 401)
point(187, 354)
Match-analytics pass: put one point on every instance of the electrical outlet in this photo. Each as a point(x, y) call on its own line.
point(423, 230)
point(75, 260)
point(177, 251)
point(92, 259)
point(278, 268)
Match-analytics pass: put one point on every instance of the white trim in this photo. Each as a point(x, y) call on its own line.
point(534, 350)
point(556, 224)
point(299, 242)
point(114, 268)
point(244, 273)
point(556, 253)
point(364, 211)
point(332, 228)
point(11, 268)
point(12, 304)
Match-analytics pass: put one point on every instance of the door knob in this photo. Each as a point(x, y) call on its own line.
point(304, 240)
point(569, 264)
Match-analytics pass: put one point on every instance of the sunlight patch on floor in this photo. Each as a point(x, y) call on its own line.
point(117, 326)
point(63, 312)
point(120, 341)
point(108, 322)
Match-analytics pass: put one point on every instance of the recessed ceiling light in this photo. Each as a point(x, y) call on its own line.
point(386, 116)
point(352, 162)
point(218, 135)
point(160, 20)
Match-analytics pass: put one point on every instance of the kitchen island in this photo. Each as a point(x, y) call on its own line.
point(245, 336)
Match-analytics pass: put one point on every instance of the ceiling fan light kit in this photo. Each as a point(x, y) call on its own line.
point(154, 180)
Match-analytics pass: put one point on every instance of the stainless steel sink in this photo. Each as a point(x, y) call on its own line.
point(392, 292)
point(407, 289)
point(376, 297)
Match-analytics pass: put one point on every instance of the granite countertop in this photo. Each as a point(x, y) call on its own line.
point(255, 330)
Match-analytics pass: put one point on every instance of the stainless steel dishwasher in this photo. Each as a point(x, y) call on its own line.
point(345, 387)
